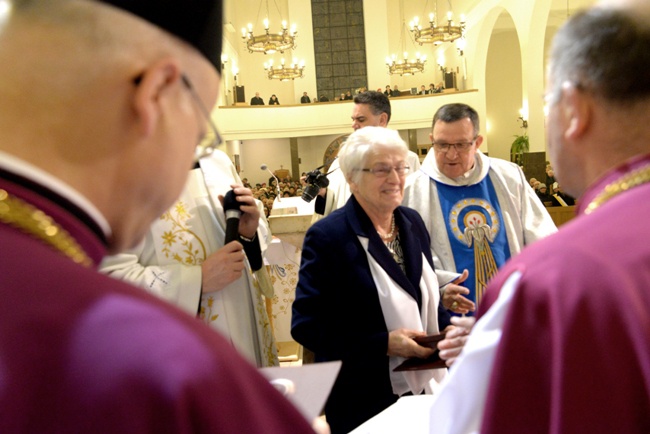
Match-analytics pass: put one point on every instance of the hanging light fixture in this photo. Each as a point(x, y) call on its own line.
point(405, 66)
point(284, 72)
point(269, 43)
point(437, 34)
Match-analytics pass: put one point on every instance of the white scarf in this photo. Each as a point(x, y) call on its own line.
point(400, 310)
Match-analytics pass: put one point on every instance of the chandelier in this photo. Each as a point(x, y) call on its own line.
point(437, 34)
point(405, 66)
point(283, 72)
point(269, 43)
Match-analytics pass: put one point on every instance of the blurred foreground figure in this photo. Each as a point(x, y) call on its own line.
point(565, 344)
point(103, 104)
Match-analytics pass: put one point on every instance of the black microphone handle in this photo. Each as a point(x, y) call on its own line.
point(232, 228)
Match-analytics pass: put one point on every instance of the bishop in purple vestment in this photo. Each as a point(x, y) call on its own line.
point(562, 344)
point(102, 105)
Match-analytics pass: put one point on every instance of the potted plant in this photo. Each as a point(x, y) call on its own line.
point(519, 146)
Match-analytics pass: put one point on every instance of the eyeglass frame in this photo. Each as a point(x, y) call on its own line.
point(405, 169)
point(465, 146)
point(201, 150)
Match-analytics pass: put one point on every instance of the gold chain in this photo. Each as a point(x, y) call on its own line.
point(633, 179)
point(31, 220)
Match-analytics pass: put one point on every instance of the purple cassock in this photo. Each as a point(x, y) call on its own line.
point(83, 353)
point(574, 356)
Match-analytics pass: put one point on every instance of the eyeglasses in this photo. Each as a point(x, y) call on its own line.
point(205, 146)
point(459, 147)
point(383, 170)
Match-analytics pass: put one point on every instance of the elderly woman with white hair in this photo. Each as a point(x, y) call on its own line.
point(367, 287)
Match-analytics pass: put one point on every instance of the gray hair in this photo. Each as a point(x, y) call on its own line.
point(364, 143)
point(605, 52)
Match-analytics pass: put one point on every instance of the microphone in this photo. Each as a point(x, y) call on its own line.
point(277, 183)
point(233, 213)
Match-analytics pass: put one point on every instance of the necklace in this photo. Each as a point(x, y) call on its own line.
point(633, 179)
point(31, 220)
point(392, 229)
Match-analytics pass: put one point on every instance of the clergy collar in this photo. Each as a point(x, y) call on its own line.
point(26, 173)
point(471, 177)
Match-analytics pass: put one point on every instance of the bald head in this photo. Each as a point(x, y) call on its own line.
point(88, 89)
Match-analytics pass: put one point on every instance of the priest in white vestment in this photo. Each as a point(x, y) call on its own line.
point(183, 260)
point(480, 211)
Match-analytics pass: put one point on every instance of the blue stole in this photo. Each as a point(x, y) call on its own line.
point(474, 225)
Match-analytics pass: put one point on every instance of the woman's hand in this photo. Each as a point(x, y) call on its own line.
point(401, 343)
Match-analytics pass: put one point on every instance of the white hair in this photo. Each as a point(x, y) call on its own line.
point(365, 142)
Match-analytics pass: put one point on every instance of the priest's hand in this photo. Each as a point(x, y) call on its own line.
point(401, 343)
point(250, 214)
point(222, 267)
point(452, 297)
point(455, 338)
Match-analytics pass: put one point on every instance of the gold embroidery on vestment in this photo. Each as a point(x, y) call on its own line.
point(31, 220)
point(180, 236)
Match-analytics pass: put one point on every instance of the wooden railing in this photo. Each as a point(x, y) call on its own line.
point(561, 214)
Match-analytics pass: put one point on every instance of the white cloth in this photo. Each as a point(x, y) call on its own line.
point(338, 191)
point(524, 217)
point(459, 404)
point(400, 310)
point(168, 263)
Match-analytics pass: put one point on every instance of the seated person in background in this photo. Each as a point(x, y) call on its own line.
point(423, 91)
point(257, 100)
point(274, 100)
point(348, 95)
point(545, 197)
point(388, 92)
point(563, 198)
point(304, 99)
point(342, 97)
point(432, 88)
point(323, 98)
point(396, 91)
point(550, 176)
point(366, 286)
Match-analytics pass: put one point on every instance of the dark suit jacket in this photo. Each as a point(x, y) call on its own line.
point(256, 100)
point(304, 99)
point(337, 313)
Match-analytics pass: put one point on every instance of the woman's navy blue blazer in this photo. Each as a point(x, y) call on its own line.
point(337, 314)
